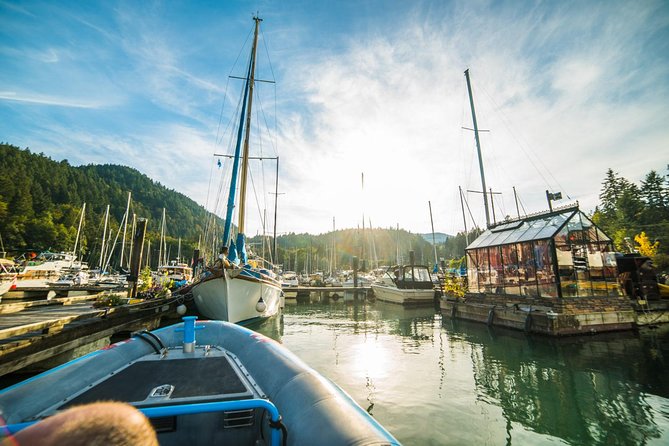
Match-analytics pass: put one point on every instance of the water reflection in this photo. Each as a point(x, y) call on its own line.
point(452, 382)
point(583, 390)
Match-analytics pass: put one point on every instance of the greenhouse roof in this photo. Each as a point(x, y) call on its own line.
point(534, 227)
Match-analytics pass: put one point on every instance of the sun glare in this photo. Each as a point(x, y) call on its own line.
point(370, 359)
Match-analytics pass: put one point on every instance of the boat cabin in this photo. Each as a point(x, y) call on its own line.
point(559, 254)
point(415, 277)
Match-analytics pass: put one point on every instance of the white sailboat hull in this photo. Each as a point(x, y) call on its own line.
point(402, 296)
point(235, 299)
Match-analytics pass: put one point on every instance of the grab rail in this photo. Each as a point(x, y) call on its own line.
point(195, 408)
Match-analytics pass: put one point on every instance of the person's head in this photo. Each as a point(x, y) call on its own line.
point(224, 250)
point(108, 423)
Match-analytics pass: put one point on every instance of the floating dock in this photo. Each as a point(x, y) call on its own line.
point(321, 293)
point(559, 317)
point(38, 335)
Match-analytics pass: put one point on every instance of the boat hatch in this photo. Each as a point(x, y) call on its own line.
point(179, 378)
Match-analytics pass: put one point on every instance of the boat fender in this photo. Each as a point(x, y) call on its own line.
point(491, 316)
point(279, 425)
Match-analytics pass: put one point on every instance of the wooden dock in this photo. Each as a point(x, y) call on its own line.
point(42, 334)
point(332, 289)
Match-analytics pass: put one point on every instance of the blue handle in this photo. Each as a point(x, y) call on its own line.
point(189, 409)
point(189, 328)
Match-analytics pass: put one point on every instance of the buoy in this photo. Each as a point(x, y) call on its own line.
point(181, 310)
point(261, 306)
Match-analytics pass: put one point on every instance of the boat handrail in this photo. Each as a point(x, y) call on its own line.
point(196, 408)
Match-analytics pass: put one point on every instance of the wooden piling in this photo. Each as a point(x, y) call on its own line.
point(138, 242)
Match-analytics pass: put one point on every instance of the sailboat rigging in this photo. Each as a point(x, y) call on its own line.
point(246, 291)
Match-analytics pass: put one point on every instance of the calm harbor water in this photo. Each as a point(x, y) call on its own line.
point(442, 382)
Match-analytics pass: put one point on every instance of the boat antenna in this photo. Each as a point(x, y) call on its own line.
point(478, 149)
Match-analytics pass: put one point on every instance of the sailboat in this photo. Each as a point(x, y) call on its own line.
point(245, 292)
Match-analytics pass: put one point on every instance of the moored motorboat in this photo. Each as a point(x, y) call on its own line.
point(406, 285)
point(232, 386)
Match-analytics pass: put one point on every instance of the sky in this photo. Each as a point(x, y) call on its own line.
point(563, 89)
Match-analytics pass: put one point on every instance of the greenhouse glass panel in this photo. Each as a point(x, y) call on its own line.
point(496, 270)
point(511, 275)
point(545, 273)
point(527, 269)
point(472, 271)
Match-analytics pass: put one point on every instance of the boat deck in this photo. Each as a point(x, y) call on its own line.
point(188, 377)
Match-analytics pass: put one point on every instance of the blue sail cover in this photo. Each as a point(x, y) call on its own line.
point(241, 248)
point(232, 253)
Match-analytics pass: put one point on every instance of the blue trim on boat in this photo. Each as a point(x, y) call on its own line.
point(48, 372)
point(191, 409)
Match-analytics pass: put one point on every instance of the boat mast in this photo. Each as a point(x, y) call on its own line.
point(245, 157)
point(434, 243)
point(464, 219)
point(240, 131)
point(276, 200)
point(76, 241)
point(334, 247)
point(125, 228)
point(162, 239)
point(104, 237)
point(478, 149)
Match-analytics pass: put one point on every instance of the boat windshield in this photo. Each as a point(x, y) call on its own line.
point(420, 274)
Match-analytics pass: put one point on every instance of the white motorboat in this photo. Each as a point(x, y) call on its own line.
point(406, 285)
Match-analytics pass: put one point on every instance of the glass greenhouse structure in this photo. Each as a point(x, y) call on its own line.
point(561, 254)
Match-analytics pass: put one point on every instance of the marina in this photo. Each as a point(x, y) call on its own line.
point(214, 225)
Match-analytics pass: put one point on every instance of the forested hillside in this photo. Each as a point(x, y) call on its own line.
point(41, 200)
point(306, 252)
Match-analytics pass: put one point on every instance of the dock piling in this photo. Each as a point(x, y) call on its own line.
point(136, 261)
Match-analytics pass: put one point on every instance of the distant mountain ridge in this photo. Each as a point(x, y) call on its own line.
point(439, 237)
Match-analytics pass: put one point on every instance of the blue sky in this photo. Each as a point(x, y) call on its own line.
point(567, 90)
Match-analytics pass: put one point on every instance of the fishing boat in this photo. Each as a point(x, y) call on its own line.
point(231, 386)
point(406, 284)
point(246, 291)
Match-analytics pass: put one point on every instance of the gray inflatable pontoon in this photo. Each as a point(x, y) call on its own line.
point(234, 386)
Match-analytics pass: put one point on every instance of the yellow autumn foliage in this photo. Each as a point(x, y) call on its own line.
point(645, 247)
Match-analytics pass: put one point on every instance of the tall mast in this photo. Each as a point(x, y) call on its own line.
point(464, 219)
point(434, 243)
point(334, 246)
point(245, 158)
point(76, 241)
point(238, 146)
point(104, 239)
point(276, 200)
point(125, 227)
point(478, 149)
point(162, 240)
